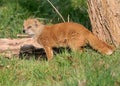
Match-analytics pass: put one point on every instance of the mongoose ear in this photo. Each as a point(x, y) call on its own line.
point(36, 22)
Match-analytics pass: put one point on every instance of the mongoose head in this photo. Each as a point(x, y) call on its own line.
point(31, 27)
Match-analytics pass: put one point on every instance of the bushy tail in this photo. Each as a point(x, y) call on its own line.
point(99, 45)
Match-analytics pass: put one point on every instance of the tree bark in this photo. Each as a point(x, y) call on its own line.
point(105, 20)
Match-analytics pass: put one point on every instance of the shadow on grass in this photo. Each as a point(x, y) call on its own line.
point(29, 51)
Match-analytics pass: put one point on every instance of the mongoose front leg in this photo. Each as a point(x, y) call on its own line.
point(49, 53)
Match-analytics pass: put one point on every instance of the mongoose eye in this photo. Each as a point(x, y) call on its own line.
point(29, 27)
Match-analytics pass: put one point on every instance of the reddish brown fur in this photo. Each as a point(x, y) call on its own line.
point(65, 34)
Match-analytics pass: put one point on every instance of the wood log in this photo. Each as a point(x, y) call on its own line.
point(12, 47)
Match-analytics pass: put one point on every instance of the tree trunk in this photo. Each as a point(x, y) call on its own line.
point(105, 20)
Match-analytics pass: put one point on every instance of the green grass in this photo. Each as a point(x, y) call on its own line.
point(65, 69)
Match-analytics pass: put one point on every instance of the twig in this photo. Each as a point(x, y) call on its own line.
point(23, 36)
point(68, 18)
point(56, 10)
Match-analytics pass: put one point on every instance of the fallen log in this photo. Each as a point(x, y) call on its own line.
point(12, 47)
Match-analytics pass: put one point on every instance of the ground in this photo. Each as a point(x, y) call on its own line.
point(65, 69)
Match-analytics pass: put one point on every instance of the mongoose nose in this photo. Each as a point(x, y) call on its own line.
point(23, 31)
